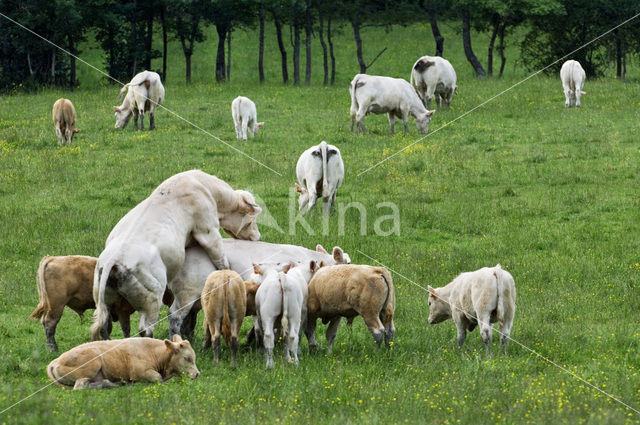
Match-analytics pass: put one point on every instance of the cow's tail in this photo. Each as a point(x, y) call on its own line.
point(226, 321)
point(413, 68)
point(325, 184)
point(285, 311)
point(499, 275)
point(123, 90)
point(101, 314)
point(43, 304)
point(386, 313)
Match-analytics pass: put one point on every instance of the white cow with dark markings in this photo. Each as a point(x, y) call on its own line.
point(573, 77)
point(384, 95)
point(144, 93)
point(433, 76)
point(320, 172)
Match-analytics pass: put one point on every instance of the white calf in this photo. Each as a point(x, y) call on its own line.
point(245, 117)
point(572, 76)
point(433, 76)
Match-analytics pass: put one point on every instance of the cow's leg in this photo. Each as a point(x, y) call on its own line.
point(505, 332)
point(461, 326)
point(189, 324)
point(141, 119)
point(244, 129)
point(151, 375)
point(360, 120)
point(405, 120)
point(82, 383)
point(178, 311)
point(332, 330)
point(389, 331)
point(152, 123)
point(125, 323)
point(353, 118)
point(211, 242)
point(236, 324)
point(310, 332)
point(59, 134)
point(372, 320)
point(313, 198)
point(215, 338)
point(49, 322)
point(257, 325)
point(104, 383)
point(392, 121)
point(293, 341)
point(135, 119)
point(486, 330)
point(207, 337)
point(430, 95)
point(269, 339)
point(68, 135)
point(577, 95)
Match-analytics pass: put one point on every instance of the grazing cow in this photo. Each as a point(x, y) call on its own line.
point(480, 298)
point(320, 171)
point(64, 119)
point(68, 281)
point(147, 246)
point(433, 76)
point(393, 96)
point(245, 117)
point(108, 364)
point(188, 283)
point(572, 76)
point(224, 302)
point(348, 291)
point(144, 93)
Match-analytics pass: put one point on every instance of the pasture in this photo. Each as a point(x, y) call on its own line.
point(549, 193)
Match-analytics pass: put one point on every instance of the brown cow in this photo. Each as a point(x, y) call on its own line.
point(107, 364)
point(68, 281)
point(224, 302)
point(64, 118)
point(349, 290)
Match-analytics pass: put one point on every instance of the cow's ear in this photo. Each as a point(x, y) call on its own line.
point(171, 347)
point(313, 266)
point(338, 255)
point(432, 291)
point(298, 188)
point(260, 124)
point(256, 269)
point(429, 113)
point(115, 108)
point(248, 205)
point(321, 250)
point(76, 131)
point(289, 267)
point(177, 338)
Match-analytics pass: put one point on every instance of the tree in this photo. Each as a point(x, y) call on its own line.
point(464, 7)
point(261, 19)
point(225, 15)
point(185, 20)
point(276, 12)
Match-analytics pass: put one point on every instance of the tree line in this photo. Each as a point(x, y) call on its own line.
point(125, 31)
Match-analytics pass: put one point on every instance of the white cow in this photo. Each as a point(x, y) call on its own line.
point(146, 249)
point(573, 77)
point(64, 119)
point(320, 171)
point(270, 304)
point(242, 254)
point(144, 92)
point(433, 76)
point(393, 96)
point(477, 298)
point(245, 117)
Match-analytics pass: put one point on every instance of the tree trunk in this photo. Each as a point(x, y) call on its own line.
point(283, 52)
point(624, 66)
point(307, 74)
point(149, 40)
point(229, 55)
point(72, 62)
point(356, 34)
point(437, 36)
point(618, 54)
point(187, 59)
point(188, 51)
point(261, 43)
point(325, 65)
point(333, 58)
point(220, 68)
point(29, 63)
point(492, 42)
point(503, 60)
point(133, 40)
point(53, 66)
point(164, 43)
point(466, 42)
point(296, 45)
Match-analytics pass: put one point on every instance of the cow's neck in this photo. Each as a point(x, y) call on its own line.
point(163, 364)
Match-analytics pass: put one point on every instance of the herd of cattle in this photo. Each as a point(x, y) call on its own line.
point(169, 249)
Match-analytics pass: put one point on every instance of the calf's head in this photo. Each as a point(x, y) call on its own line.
point(423, 120)
point(439, 308)
point(303, 199)
point(182, 358)
point(122, 117)
point(240, 221)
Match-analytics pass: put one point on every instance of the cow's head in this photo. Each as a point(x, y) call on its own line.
point(303, 199)
point(123, 115)
point(182, 358)
point(74, 133)
point(423, 120)
point(339, 256)
point(257, 126)
point(439, 308)
point(240, 222)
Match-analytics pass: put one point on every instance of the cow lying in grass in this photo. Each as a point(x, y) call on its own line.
point(476, 298)
point(108, 364)
point(349, 291)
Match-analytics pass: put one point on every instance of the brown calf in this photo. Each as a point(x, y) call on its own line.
point(349, 290)
point(64, 119)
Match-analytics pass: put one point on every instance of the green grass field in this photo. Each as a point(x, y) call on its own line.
point(549, 193)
